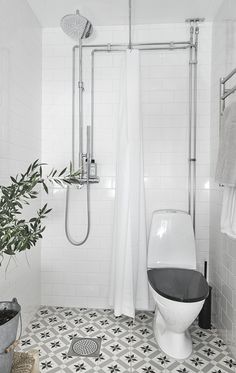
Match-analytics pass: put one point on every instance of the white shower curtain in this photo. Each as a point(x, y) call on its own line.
point(129, 286)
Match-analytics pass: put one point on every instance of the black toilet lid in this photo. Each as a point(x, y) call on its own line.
point(178, 284)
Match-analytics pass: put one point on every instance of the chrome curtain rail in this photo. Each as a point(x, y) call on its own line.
point(192, 45)
point(123, 49)
point(171, 44)
point(119, 48)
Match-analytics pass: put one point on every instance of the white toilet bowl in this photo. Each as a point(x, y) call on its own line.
point(171, 322)
point(179, 291)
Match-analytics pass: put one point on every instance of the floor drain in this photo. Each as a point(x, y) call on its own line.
point(85, 347)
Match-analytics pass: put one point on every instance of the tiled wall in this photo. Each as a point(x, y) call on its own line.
point(80, 275)
point(222, 248)
point(20, 127)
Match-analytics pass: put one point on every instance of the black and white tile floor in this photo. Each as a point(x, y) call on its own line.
point(127, 346)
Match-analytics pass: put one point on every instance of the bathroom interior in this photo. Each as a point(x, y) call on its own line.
point(138, 100)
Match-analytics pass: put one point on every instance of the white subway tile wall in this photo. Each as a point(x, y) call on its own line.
point(222, 248)
point(79, 276)
point(20, 140)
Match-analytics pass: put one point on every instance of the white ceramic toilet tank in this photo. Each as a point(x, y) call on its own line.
point(171, 240)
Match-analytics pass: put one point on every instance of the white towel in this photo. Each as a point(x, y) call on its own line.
point(228, 213)
point(226, 162)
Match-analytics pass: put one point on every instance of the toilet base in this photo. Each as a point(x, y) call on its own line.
point(175, 345)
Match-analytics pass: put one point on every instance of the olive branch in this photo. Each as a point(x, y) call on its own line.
point(17, 234)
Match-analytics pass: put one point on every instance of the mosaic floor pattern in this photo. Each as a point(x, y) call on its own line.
point(127, 346)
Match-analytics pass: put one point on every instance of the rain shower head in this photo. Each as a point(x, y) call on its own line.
point(76, 26)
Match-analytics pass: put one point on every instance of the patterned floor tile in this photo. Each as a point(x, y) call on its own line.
point(127, 345)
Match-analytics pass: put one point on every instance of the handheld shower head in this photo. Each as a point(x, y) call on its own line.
point(76, 26)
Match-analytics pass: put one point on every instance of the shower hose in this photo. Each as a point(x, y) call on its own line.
point(70, 239)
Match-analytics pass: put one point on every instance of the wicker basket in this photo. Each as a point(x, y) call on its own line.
point(25, 362)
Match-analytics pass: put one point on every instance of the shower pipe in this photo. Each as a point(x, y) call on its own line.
point(193, 60)
point(130, 24)
point(195, 71)
point(190, 119)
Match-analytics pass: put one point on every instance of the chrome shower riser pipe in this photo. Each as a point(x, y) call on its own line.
point(190, 120)
point(81, 162)
point(130, 24)
point(195, 125)
point(193, 61)
point(78, 28)
point(81, 89)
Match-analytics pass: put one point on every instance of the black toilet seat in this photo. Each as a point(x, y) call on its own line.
point(179, 284)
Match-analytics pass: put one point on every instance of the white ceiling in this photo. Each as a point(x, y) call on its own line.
point(115, 12)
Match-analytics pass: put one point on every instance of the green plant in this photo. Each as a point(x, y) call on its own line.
point(16, 233)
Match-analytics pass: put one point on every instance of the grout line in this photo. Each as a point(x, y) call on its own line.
point(131, 345)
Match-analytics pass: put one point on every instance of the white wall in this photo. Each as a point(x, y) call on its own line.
point(20, 126)
point(80, 275)
point(222, 249)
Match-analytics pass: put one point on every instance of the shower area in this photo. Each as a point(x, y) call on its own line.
point(83, 78)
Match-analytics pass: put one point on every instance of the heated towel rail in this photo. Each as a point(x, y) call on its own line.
point(226, 92)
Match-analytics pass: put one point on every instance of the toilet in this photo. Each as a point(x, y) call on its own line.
point(178, 289)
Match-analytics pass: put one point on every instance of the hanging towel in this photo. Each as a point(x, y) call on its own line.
point(226, 162)
point(129, 284)
point(226, 170)
point(228, 213)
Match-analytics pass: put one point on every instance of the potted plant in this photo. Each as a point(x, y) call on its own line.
point(18, 234)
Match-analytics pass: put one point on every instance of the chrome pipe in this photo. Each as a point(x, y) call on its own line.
point(190, 121)
point(142, 49)
point(195, 71)
point(92, 104)
point(73, 109)
point(81, 88)
point(130, 25)
point(81, 163)
point(125, 45)
point(170, 48)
